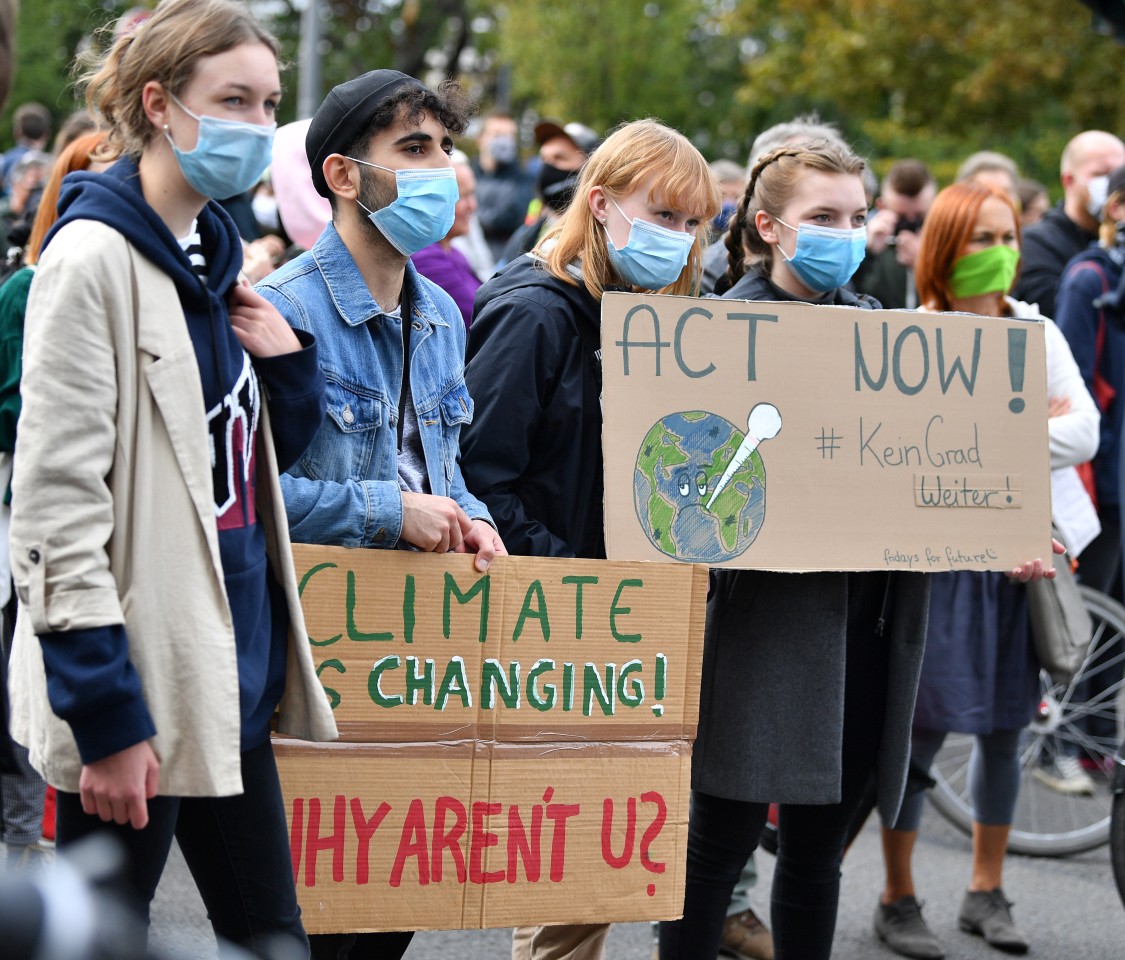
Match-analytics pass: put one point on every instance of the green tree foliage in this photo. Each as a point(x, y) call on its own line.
point(937, 79)
point(418, 37)
point(48, 35)
point(604, 61)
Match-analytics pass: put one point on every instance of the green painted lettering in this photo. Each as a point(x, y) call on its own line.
point(539, 612)
point(593, 687)
point(408, 609)
point(300, 592)
point(630, 692)
point(546, 701)
point(414, 682)
point(579, 583)
point(618, 610)
point(338, 666)
point(354, 633)
point(493, 680)
point(454, 683)
point(568, 687)
point(452, 590)
point(375, 691)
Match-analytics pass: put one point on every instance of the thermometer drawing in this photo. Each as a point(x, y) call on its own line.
point(764, 423)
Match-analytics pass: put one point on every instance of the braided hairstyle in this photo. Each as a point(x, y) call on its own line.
point(770, 187)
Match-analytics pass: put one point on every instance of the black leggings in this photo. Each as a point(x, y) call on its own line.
point(723, 833)
point(237, 849)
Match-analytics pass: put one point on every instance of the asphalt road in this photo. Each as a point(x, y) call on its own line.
point(1067, 907)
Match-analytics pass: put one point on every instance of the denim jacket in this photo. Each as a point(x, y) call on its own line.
point(344, 490)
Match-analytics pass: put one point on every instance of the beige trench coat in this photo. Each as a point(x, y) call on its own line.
point(113, 517)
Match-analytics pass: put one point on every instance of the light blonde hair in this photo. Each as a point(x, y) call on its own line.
point(630, 154)
point(166, 48)
point(772, 184)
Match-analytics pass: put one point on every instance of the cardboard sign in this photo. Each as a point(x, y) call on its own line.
point(515, 746)
point(414, 646)
point(890, 440)
point(452, 835)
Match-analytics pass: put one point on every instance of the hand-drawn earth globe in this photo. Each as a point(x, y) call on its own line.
point(678, 466)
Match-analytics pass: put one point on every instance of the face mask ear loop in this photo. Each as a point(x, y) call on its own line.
point(605, 228)
point(788, 258)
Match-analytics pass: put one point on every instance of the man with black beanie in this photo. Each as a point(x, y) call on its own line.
point(384, 469)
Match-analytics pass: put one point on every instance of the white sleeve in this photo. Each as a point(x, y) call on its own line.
point(1074, 436)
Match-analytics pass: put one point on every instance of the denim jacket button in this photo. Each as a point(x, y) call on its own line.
point(349, 417)
point(381, 535)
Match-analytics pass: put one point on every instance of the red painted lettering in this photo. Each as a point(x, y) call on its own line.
point(365, 830)
point(448, 839)
point(617, 862)
point(520, 846)
point(483, 838)
point(412, 843)
point(296, 829)
point(559, 813)
point(653, 830)
point(314, 842)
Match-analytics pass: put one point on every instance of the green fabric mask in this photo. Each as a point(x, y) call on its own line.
point(990, 270)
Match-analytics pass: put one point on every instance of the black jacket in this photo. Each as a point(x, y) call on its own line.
point(884, 278)
point(757, 286)
point(1047, 248)
point(533, 451)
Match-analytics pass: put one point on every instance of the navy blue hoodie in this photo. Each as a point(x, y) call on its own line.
point(91, 683)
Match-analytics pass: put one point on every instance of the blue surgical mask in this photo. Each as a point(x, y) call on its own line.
point(229, 156)
point(825, 257)
point(653, 257)
point(423, 211)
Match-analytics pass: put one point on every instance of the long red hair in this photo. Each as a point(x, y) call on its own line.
point(75, 157)
point(947, 231)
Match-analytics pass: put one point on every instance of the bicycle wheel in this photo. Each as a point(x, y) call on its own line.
point(1048, 823)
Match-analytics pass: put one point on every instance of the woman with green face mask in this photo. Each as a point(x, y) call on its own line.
point(979, 674)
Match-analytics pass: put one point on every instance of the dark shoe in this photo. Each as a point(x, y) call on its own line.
point(901, 927)
point(744, 935)
point(988, 914)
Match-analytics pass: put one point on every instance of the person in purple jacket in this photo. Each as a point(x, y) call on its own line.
point(442, 262)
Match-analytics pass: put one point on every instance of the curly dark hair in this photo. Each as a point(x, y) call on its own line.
point(449, 104)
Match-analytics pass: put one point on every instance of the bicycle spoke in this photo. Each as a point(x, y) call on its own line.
point(1086, 674)
point(1083, 740)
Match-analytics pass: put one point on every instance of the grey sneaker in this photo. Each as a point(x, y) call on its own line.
point(901, 927)
point(1065, 775)
point(988, 914)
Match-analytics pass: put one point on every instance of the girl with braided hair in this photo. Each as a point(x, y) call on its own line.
point(799, 227)
point(808, 679)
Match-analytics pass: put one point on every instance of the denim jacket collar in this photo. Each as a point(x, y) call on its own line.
point(348, 289)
